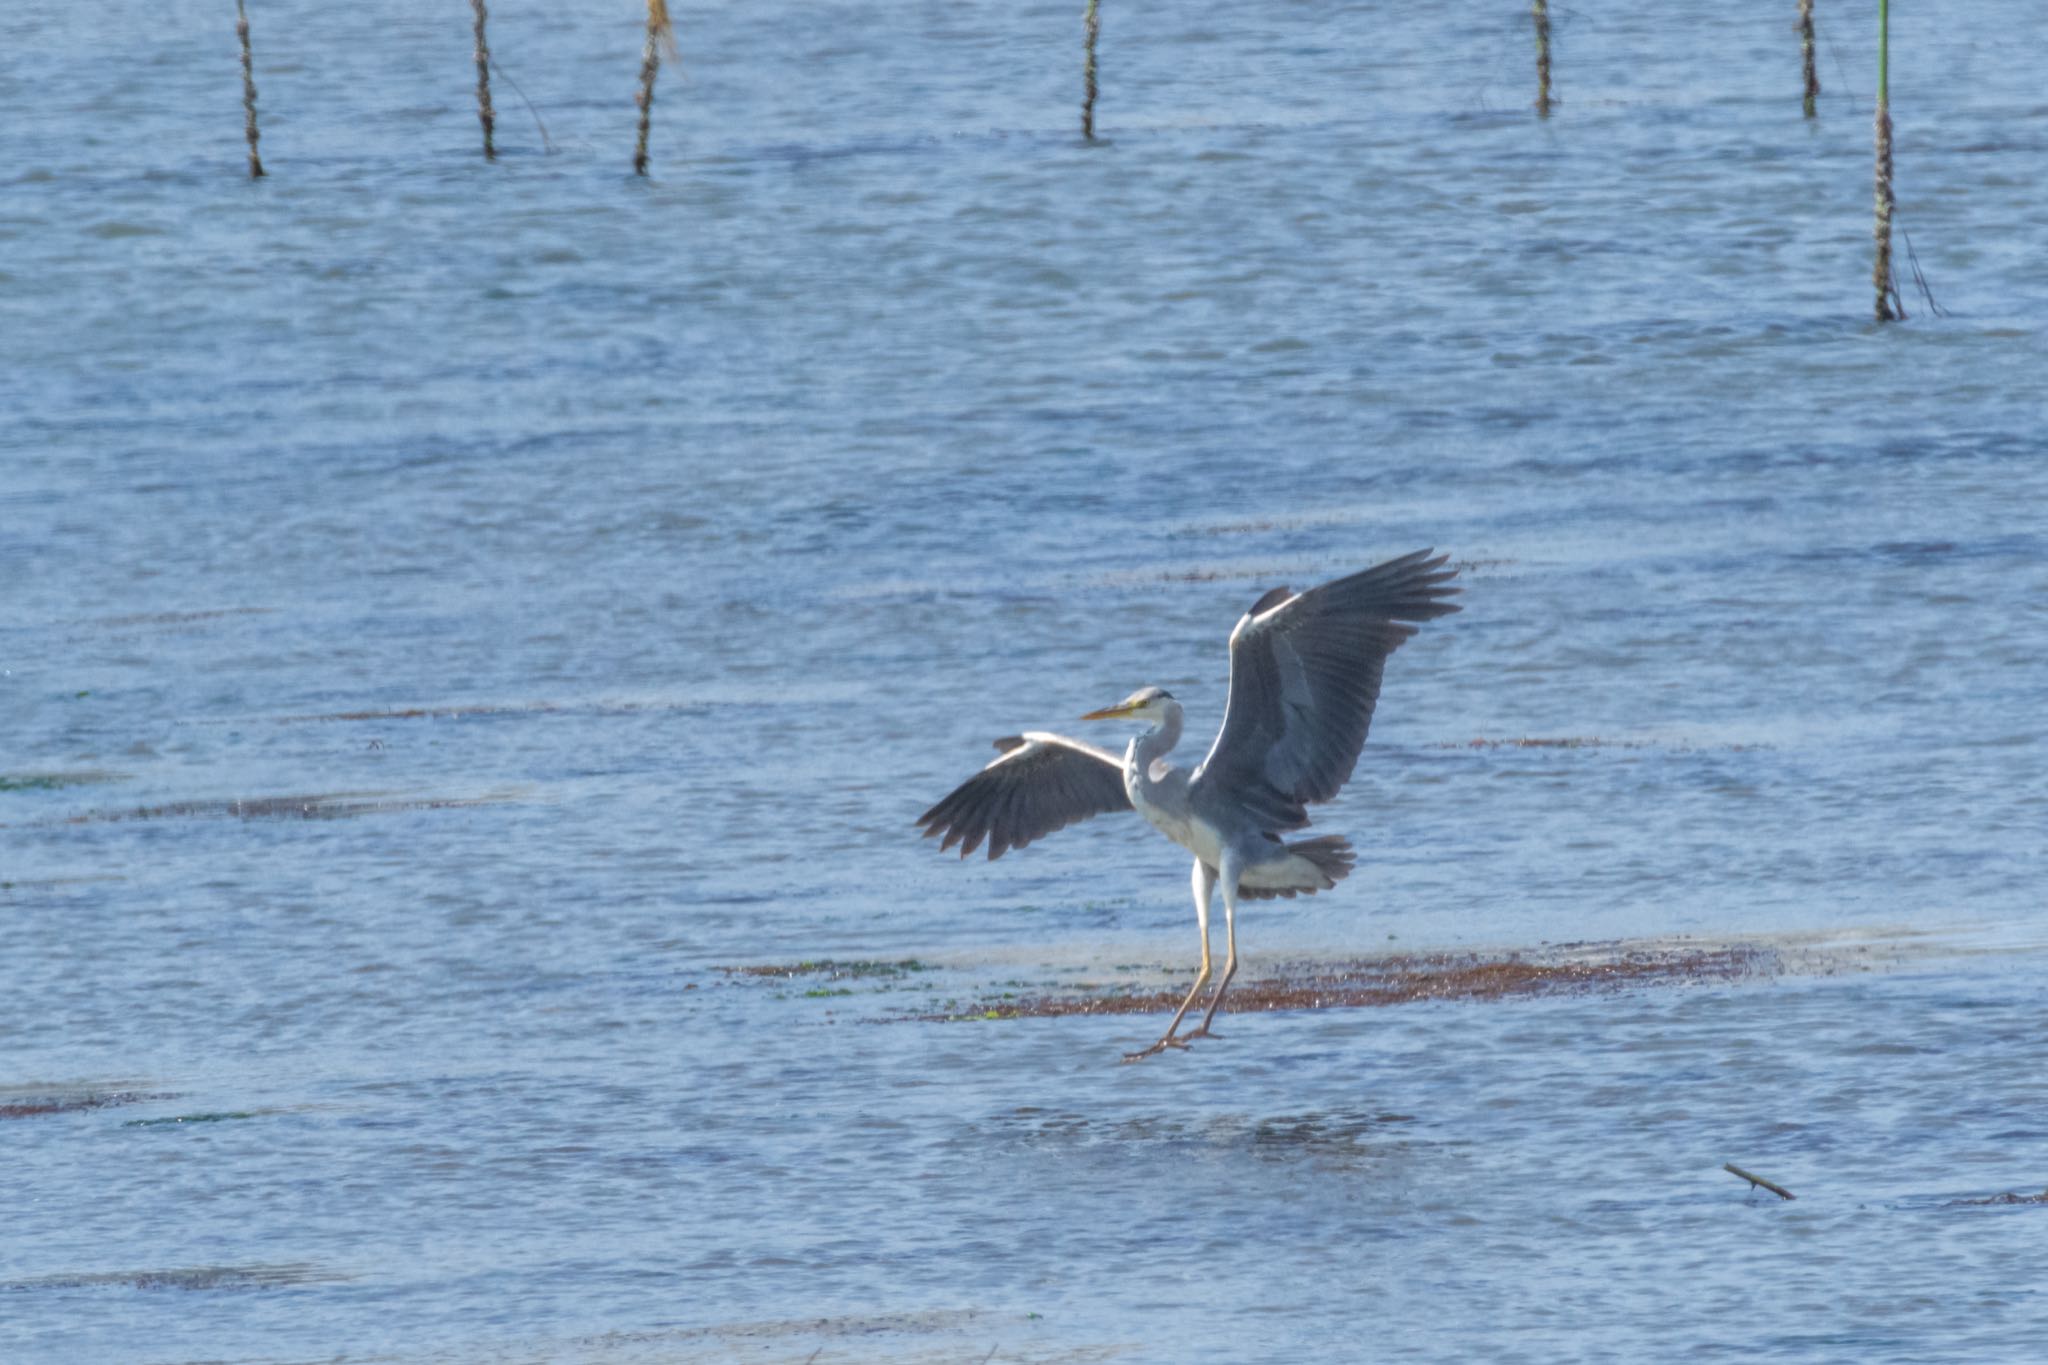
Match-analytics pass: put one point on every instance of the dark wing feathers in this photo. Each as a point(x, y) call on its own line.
point(1042, 783)
point(1304, 678)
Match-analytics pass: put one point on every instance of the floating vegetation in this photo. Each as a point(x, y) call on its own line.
point(190, 1278)
point(179, 618)
point(33, 1104)
point(1998, 1201)
point(527, 708)
point(1409, 979)
point(87, 879)
point(328, 806)
point(1590, 742)
point(1525, 742)
point(433, 712)
point(49, 782)
point(177, 1119)
point(927, 1334)
point(1265, 573)
point(835, 970)
point(1341, 1134)
point(1220, 572)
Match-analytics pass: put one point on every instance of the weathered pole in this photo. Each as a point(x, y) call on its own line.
point(1091, 26)
point(484, 113)
point(1890, 308)
point(248, 90)
point(659, 35)
point(1806, 54)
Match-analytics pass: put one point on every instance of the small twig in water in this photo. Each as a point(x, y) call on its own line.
point(547, 143)
point(1847, 87)
point(1756, 1180)
point(1920, 279)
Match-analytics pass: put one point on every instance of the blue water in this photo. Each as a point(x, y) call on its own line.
point(449, 611)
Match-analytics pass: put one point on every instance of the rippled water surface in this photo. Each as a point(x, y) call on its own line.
point(449, 612)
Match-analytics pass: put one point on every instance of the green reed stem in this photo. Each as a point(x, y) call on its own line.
point(1884, 61)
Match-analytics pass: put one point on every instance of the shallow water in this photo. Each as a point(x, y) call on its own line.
point(451, 611)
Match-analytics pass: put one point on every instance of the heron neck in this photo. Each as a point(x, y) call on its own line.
point(1155, 743)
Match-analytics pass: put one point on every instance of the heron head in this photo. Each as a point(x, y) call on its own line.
point(1147, 703)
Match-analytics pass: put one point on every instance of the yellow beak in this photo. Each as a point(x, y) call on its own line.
point(1122, 708)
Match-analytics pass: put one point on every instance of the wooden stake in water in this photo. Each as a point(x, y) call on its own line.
point(1541, 9)
point(1092, 25)
point(248, 90)
point(1890, 307)
point(1806, 54)
point(483, 80)
point(659, 36)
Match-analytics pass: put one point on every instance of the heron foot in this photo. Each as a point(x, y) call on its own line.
point(1202, 1032)
point(1164, 1043)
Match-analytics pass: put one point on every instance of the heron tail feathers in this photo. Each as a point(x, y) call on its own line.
point(1331, 854)
point(1311, 865)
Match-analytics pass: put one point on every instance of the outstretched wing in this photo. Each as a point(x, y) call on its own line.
point(1043, 782)
point(1304, 677)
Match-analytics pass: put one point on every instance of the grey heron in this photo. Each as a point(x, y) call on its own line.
point(1304, 677)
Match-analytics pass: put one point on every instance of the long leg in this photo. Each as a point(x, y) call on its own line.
point(1231, 871)
point(1204, 879)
